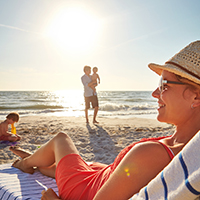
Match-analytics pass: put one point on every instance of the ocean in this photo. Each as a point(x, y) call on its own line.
point(120, 104)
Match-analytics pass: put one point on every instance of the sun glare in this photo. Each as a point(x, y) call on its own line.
point(74, 29)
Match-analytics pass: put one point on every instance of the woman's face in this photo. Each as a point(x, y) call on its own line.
point(174, 102)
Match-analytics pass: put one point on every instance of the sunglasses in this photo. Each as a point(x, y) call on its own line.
point(163, 82)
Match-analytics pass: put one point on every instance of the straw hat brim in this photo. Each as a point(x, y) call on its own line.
point(174, 69)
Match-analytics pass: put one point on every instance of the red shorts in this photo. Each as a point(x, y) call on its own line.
point(76, 179)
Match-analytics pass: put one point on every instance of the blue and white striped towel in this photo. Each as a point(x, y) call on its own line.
point(16, 185)
point(180, 180)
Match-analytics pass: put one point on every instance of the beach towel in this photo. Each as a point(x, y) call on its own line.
point(17, 185)
point(180, 180)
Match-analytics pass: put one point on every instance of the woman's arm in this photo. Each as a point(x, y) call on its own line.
point(137, 168)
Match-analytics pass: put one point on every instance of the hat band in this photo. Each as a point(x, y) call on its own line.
point(179, 66)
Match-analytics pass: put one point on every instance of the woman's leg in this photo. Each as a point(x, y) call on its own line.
point(47, 171)
point(48, 155)
point(20, 152)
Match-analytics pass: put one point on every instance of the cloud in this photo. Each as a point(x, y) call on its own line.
point(19, 29)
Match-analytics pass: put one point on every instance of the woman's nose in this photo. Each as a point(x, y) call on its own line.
point(156, 93)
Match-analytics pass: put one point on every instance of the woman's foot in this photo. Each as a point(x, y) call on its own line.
point(20, 165)
point(19, 152)
point(48, 171)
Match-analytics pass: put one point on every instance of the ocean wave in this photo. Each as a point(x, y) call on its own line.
point(111, 103)
point(122, 107)
point(112, 107)
point(31, 112)
point(139, 100)
point(31, 107)
point(37, 100)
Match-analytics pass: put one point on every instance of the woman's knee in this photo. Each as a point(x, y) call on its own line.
point(63, 145)
point(62, 136)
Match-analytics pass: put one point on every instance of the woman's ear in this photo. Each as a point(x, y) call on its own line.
point(196, 101)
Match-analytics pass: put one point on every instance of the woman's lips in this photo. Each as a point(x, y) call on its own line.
point(160, 105)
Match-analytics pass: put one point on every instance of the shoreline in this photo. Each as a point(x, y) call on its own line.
point(96, 143)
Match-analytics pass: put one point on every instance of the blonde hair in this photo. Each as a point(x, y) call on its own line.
point(86, 68)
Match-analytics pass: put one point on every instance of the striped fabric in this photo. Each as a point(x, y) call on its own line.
point(179, 180)
point(16, 185)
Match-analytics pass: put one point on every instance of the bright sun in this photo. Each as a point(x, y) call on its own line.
point(74, 29)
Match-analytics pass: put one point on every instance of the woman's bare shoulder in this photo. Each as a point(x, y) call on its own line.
point(150, 152)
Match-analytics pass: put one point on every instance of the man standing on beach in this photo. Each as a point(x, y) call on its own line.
point(89, 94)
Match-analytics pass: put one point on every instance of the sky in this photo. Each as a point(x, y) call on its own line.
point(44, 44)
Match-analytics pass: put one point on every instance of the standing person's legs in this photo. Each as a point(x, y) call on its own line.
point(86, 115)
point(49, 154)
point(95, 105)
point(87, 106)
point(95, 114)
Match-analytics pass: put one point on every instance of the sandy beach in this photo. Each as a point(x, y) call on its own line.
point(101, 142)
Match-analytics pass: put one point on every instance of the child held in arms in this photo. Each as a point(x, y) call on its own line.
point(95, 77)
point(4, 134)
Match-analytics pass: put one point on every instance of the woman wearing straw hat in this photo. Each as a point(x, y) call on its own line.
point(178, 98)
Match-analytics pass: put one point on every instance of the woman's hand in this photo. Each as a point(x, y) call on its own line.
point(49, 195)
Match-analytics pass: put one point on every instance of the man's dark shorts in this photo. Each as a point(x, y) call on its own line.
point(93, 99)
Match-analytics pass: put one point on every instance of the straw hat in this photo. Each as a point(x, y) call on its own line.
point(186, 63)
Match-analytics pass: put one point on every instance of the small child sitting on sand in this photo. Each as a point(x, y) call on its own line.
point(4, 134)
point(94, 77)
